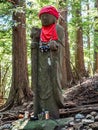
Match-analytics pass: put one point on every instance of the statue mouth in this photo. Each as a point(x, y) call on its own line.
point(44, 23)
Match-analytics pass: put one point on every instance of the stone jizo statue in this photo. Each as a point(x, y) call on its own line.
point(47, 60)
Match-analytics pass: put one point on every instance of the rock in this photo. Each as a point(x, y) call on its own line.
point(78, 126)
point(5, 127)
point(70, 128)
point(89, 116)
point(94, 113)
point(87, 121)
point(30, 105)
point(63, 128)
point(86, 127)
point(96, 118)
point(79, 116)
point(71, 123)
point(77, 120)
point(94, 126)
point(25, 104)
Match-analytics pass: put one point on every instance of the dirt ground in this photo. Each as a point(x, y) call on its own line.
point(81, 98)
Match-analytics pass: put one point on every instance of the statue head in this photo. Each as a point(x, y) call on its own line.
point(48, 15)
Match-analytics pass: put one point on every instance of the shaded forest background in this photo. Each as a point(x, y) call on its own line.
point(80, 22)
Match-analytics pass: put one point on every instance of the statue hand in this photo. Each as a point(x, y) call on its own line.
point(53, 45)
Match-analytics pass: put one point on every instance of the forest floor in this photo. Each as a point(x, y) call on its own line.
point(81, 107)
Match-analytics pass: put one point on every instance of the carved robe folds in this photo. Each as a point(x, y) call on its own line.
point(47, 75)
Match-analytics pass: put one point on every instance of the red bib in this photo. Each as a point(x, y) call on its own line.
point(48, 33)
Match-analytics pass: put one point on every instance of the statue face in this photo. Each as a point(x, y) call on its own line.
point(47, 19)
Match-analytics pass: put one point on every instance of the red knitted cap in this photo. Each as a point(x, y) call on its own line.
point(50, 10)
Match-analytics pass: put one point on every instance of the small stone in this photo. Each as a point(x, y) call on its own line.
point(86, 127)
point(71, 123)
point(77, 120)
point(79, 116)
point(70, 128)
point(96, 118)
point(94, 126)
point(93, 113)
point(90, 117)
point(5, 127)
point(66, 127)
point(25, 104)
point(30, 106)
point(63, 128)
point(87, 121)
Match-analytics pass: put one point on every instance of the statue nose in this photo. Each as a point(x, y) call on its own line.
point(44, 17)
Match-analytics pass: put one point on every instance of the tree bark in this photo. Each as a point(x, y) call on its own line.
point(79, 56)
point(66, 66)
point(20, 90)
point(96, 41)
point(88, 39)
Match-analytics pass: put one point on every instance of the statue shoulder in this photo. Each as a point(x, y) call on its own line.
point(35, 34)
point(60, 32)
point(59, 28)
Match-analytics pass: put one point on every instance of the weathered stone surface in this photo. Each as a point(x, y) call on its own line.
point(47, 124)
point(94, 125)
point(47, 73)
point(96, 118)
point(93, 113)
point(89, 116)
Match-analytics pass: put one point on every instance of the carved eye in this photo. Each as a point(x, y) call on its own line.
point(44, 16)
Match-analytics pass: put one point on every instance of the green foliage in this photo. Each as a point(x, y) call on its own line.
point(5, 8)
point(88, 21)
point(5, 45)
point(62, 3)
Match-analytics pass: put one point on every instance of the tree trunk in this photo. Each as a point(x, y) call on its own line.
point(88, 39)
point(96, 51)
point(79, 53)
point(0, 82)
point(67, 66)
point(96, 41)
point(20, 84)
point(79, 56)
